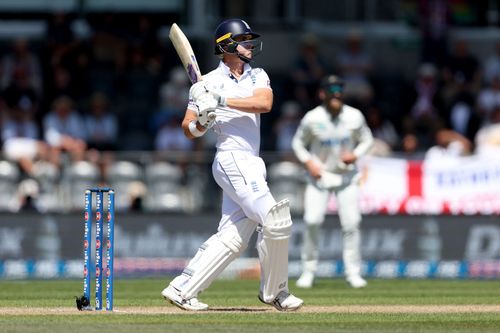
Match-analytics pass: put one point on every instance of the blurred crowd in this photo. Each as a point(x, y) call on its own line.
point(67, 99)
point(452, 104)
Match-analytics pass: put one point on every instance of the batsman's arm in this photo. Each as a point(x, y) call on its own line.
point(192, 128)
point(260, 102)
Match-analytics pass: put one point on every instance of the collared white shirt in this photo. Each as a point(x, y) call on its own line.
point(324, 137)
point(236, 130)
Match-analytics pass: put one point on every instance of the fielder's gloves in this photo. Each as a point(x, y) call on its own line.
point(206, 110)
point(200, 88)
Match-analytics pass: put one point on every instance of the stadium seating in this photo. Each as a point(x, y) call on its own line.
point(164, 184)
point(76, 178)
point(9, 177)
point(122, 176)
point(287, 180)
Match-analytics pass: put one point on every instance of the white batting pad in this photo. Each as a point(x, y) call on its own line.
point(213, 257)
point(273, 251)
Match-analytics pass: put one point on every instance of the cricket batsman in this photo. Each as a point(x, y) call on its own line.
point(229, 101)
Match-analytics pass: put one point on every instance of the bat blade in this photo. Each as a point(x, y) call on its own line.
point(185, 53)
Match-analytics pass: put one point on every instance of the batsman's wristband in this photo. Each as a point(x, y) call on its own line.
point(194, 130)
point(222, 101)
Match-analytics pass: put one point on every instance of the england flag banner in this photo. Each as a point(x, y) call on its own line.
point(455, 186)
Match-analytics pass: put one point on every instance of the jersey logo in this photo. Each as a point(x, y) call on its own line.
point(332, 142)
point(253, 76)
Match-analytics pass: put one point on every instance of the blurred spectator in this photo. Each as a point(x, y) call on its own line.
point(449, 144)
point(80, 72)
point(170, 136)
point(461, 71)
point(492, 65)
point(410, 145)
point(355, 66)
point(138, 77)
point(101, 124)
point(69, 55)
point(102, 132)
point(64, 129)
point(144, 36)
point(307, 71)
point(20, 136)
point(174, 93)
point(20, 93)
point(425, 104)
point(487, 139)
point(386, 139)
point(61, 84)
point(425, 114)
point(434, 22)
point(286, 126)
point(489, 98)
point(22, 59)
point(60, 38)
point(462, 118)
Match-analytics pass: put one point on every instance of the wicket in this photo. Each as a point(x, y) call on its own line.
point(99, 237)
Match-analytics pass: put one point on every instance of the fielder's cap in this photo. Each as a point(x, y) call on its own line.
point(332, 84)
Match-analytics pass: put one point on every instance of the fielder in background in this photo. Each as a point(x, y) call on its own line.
point(329, 141)
point(229, 101)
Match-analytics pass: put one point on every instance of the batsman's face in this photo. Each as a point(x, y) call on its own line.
point(247, 46)
point(244, 50)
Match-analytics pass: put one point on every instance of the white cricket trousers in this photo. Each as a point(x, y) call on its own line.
point(315, 206)
point(242, 177)
point(246, 201)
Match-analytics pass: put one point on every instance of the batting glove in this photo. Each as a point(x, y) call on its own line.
point(221, 100)
point(206, 110)
point(201, 88)
point(197, 90)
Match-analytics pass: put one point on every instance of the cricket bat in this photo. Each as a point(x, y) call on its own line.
point(185, 53)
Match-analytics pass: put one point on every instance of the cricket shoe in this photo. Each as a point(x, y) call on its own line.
point(356, 282)
point(173, 295)
point(306, 280)
point(284, 301)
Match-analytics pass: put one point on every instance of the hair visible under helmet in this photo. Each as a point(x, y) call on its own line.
point(233, 32)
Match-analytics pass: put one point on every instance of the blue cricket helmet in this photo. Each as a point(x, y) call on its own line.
point(227, 31)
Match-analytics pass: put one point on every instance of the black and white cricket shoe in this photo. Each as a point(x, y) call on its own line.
point(173, 295)
point(284, 301)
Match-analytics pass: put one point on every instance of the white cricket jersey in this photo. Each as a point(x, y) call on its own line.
point(324, 137)
point(236, 130)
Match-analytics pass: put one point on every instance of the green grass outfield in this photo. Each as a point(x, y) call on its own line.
point(384, 306)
